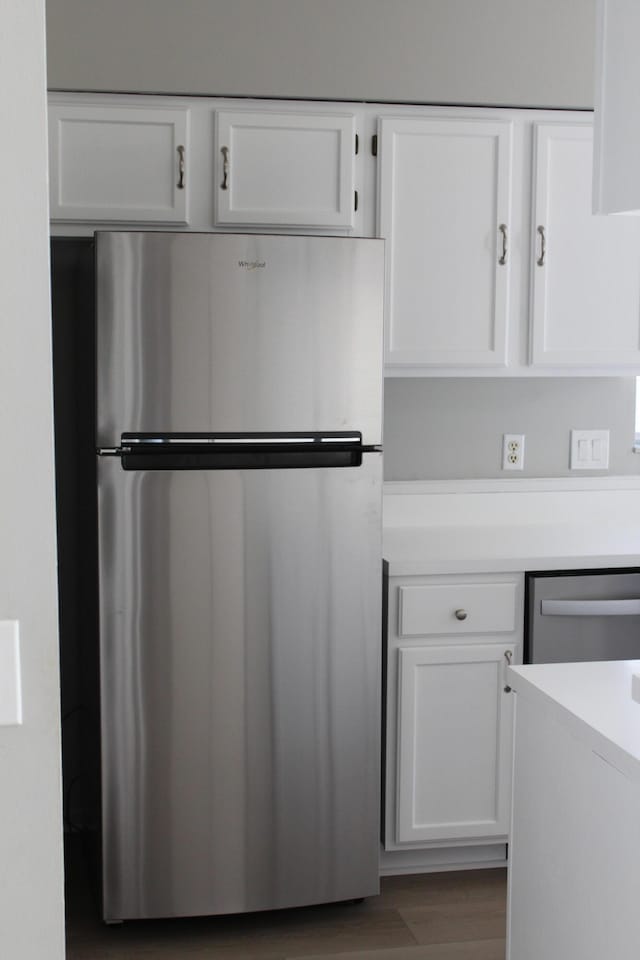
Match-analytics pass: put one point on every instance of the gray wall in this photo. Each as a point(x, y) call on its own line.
point(509, 52)
point(31, 891)
point(449, 429)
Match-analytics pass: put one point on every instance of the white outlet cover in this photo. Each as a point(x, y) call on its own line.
point(512, 451)
point(589, 450)
point(10, 680)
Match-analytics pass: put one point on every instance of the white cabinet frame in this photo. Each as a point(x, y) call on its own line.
point(285, 169)
point(435, 315)
point(118, 163)
point(585, 309)
point(463, 775)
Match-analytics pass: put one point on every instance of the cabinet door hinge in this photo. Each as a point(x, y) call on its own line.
point(374, 145)
point(357, 144)
point(355, 199)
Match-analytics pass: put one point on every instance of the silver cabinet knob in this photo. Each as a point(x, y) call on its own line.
point(461, 614)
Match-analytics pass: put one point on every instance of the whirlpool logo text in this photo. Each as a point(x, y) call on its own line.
point(252, 264)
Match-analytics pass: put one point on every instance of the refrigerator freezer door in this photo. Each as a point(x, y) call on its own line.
point(240, 659)
point(229, 333)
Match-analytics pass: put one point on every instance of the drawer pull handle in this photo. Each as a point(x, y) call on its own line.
point(508, 655)
point(461, 614)
point(543, 247)
point(225, 168)
point(503, 230)
point(180, 151)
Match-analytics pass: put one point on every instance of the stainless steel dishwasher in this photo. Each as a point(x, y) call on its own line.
point(582, 616)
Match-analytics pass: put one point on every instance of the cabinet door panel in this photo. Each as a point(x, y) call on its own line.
point(586, 291)
point(454, 742)
point(444, 191)
point(285, 169)
point(118, 163)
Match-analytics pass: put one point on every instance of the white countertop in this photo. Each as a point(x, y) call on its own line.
point(518, 527)
point(594, 700)
point(493, 549)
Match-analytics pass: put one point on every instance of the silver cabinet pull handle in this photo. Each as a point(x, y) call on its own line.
point(461, 614)
point(508, 655)
point(543, 247)
point(225, 168)
point(503, 230)
point(590, 608)
point(180, 183)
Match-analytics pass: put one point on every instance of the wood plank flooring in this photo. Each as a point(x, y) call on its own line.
point(446, 916)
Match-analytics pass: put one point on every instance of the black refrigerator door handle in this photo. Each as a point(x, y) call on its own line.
point(246, 459)
point(238, 451)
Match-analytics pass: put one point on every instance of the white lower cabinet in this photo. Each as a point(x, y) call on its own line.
point(454, 742)
point(449, 715)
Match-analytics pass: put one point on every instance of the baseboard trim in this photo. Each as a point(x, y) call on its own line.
point(440, 860)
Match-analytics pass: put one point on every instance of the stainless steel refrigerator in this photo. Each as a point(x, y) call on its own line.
point(239, 490)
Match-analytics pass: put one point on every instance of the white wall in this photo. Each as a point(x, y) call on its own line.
point(509, 52)
point(31, 891)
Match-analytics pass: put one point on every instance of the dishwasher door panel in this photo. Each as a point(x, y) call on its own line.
point(588, 616)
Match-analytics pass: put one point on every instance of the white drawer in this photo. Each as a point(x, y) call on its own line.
point(458, 608)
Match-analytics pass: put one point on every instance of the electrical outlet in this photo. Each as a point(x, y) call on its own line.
point(512, 451)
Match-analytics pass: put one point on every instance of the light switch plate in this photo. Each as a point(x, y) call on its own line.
point(589, 450)
point(10, 680)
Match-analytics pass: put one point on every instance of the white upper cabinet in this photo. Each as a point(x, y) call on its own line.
point(616, 182)
point(285, 170)
point(444, 210)
point(118, 163)
point(457, 193)
point(586, 268)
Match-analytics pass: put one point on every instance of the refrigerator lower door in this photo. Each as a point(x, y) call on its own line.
point(240, 618)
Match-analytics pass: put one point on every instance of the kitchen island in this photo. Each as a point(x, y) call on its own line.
point(574, 880)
